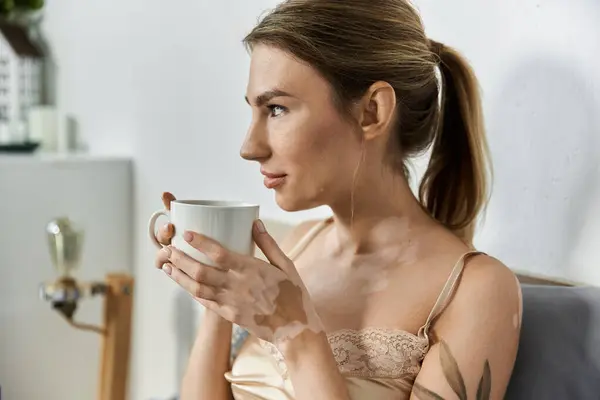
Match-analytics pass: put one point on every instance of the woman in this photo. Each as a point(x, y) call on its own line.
point(386, 299)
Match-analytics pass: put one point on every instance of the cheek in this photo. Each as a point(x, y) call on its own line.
point(311, 144)
point(296, 148)
point(298, 143)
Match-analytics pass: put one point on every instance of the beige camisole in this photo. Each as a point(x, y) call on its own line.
point(377, 363)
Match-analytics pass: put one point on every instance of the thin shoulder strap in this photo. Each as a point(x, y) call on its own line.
point(447, 291)
point(307, 238)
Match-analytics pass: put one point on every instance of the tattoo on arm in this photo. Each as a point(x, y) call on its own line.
point(455, 379)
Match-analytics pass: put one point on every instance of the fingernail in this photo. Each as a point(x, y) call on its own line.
point(260, 227)
point(167, 269)
point(188, 236)
point(167, 227)
point(166, 251)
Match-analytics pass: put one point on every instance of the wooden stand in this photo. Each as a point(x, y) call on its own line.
point(116, 338)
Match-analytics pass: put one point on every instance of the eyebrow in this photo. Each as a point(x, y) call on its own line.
point(265, 97)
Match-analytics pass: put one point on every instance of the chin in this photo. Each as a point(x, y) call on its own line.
point(293, 203)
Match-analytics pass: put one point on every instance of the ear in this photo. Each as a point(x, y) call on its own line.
point(376, 110)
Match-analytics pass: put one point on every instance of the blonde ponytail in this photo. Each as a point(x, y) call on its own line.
point(454, 186)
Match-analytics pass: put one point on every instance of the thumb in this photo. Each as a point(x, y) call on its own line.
point(269, 247)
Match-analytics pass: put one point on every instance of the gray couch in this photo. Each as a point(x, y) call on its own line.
point(559, 351)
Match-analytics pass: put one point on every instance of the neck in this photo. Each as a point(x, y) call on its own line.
point(381, 211)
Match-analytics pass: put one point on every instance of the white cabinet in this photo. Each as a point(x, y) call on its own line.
point(41, 356)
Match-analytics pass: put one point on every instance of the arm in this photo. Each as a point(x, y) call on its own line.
point(476, 338)
point(209, 361)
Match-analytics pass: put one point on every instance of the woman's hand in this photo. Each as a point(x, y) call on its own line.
point(267, 298)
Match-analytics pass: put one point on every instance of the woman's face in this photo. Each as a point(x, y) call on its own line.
point(307, 151)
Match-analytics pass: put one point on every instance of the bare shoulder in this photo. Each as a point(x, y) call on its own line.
point(487, 293)
point(476, 338)
point(297, 233)
point(485, 277)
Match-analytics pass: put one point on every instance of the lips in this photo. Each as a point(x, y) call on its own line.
point(272, 183)
point(272, 180)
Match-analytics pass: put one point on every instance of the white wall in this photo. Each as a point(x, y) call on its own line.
point(538, 65)
point(165, 84)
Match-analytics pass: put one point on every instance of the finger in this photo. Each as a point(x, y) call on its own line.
point(211, 305)
point(269, 247)
point(162, 258)
point(194, 269)
point(218, 254)
point(191, 286)
point(167, 198)
point(165, 234)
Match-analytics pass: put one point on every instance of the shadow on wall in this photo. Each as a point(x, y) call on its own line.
point(543, 136)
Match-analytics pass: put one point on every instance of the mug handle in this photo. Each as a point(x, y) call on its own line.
point(152, 226)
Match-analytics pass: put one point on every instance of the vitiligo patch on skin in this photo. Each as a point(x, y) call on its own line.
point(518, 317)
point(379, 284)
point(299, 315)
point(376, 279)
point(516, 320)
point(272, 321)
point(312, 322)
point(364, 275)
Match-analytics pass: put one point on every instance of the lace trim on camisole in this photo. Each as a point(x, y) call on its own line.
point(371, 352)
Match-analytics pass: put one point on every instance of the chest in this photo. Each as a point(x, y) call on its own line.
point(387, 290)
point(353, 295)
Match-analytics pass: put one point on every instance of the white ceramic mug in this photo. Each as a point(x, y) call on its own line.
point(228, 222)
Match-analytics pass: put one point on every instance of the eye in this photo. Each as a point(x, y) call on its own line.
point(276, 110)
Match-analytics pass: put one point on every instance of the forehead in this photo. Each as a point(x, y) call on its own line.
point(272, 68)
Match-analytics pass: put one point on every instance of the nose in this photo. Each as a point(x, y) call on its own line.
point(256, 145)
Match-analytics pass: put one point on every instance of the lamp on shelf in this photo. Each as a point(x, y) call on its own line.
point(65, 242)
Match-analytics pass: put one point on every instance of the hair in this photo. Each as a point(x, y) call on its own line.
point(356, 43)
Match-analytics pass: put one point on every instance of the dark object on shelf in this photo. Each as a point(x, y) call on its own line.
point(19, 148)
point(19, 41)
